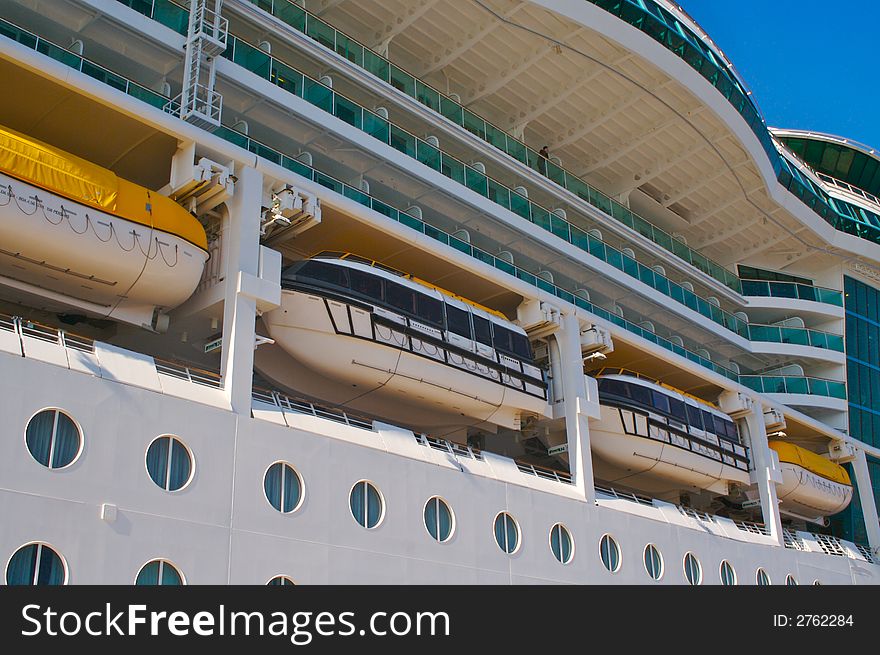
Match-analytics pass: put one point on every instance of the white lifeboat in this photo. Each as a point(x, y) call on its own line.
point(75, 234)
point(812, 486)
point(657, 439)
point(387, 336)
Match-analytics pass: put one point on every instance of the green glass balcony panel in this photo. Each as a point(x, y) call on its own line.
point(264, 151)
point(676, 292)
point(411, 221)
point(699, 261)
point(66, 57)
point(835, 342)
point(817, 387)
point(329, 182)
point(103, 75)
point(290, 13)
point(296, 166)
point(171, 15)
point(385, 209)
point(544, 285)
point(564, 295)
point(460, 245)
point(287, 78)
point(830, 297)
point(233, 137)
point(507, 267)
point(318, 95)
point(754, 383)
point(517, 150)
point(321, 31)
point(403, 81)
point(799, 337)
point(483, 256)
point(498, 193)
point(527, 277)
point(437, 234)
point(581, 239)
point(496, 137)
point(836, 389)
point(452, 168)
point(16, 34)
point(556, 173)
point(559, 227)
point(252, 59)
point(630, 266)
point(378, 66)
point(451, 110)
point(597, 248)
point(403, 141)
point(541, 218)
point(614, 257)
point(344, 109)
point(520, 206)
point(148, 96)
point(358, 196)
point(350, 49)
point(646, 275)
point(476, 181)
point(755, 288)
point(427, 96)
point(428, 154)
point(377, 127)
point(642, 226)
point(681, 250)
point(576, 186)
point(474, 124)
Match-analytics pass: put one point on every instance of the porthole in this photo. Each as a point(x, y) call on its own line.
point(506, 533)
point(367, 505)
point(790, 581)
point(283, 487)
point(653, 562)
point(36, 564)
point(693, 570)
point(561, 543)
point(159, 572)
point(761, 578)
point(53, 439)
point(439, 519)
point(169, 463)
point(728, 574)
point(609, 551)
point(281, 581)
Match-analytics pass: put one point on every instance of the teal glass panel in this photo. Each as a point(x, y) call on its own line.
point(377, 65)
point(350, 49)
point(403, 141)
point(476, 181)
point(403, 81)
point(428, 155)
point(287, 78)
point(318, 95)
point(321, 32)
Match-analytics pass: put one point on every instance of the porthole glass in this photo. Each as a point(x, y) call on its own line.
point(728, 574)
point(281, 581)
point(610, 553)
point(561, 543)
point(506, 533)
point(790, 581)
point(693, 571)
point(36, 564)
point(762, 579)
point(438, 519)
point(653, 562)
point(283, 487)
point(367, 505)
point(169, 463)
point(159, 572)
point(53, 439)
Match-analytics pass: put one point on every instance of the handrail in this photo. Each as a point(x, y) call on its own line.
point(301, 406)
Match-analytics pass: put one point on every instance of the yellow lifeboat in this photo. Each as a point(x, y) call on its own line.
point(812, 486)
point(75, 234)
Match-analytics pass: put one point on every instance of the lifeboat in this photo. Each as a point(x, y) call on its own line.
point(658, 439)
point(812, 486)
point(76, 235)
point(386, 337)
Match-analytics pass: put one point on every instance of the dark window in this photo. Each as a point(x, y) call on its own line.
point(366, 285)
point(482, 331)
point(501, 338)
point(401, 298)
point(430, 310)
point(676, 408)
point(731, 431)
point(458, 321)
point(614, 387)
point(661, 401)
point(640, 394)
point(695, 417)
point(720, 428)
point(521, 346)
point(709, 421)
point(327, 274)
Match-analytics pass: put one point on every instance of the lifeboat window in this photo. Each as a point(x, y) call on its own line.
point(366, 285)
point(661, 401)
point(458, 321)
point(521, 346)
point(501, 339)
point(401, 298)
point(614, 387)
point(732, 434)
point(640, 394)
point(709, 421)
point(329, 274)
point(482, 331)
point(695, 417)
point(677, 409)
point(430, 309)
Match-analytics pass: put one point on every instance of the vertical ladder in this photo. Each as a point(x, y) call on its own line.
point(198, 102)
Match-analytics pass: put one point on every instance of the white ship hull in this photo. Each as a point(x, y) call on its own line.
point(83, 258)
point(342, 342)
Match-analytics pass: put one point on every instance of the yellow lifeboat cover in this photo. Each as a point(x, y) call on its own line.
point(84, 182)
point(789, 452)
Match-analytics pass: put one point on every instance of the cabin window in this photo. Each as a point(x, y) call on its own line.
point(482, 331)
point(366, 285)
point(283, 487)
point(693, 571)
point(653, 562)
point(400, 297)
point(439, 519)
point(677, 409)
point(695, 417)
point(430, 309)
point(53, 439)
point(159, 572)
point(169, 463)
point(328, 274)
point(458, 321)
point(640, 394)
point(561, 543)
point(36, 564)
point(609, 551)
point(728, 574)
point(762, 579)
point(790, 581)
point(367, 505)
point(661, 401)
point(506, 533)
point(281, 581)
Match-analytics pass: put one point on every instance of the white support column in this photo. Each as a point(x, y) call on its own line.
point(866, 498)
point(765, 474)
point(577, 428)
point(241, 240)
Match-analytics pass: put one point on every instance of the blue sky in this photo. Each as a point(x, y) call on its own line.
point(810, 65)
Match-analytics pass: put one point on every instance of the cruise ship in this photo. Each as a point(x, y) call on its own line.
point(300, 292)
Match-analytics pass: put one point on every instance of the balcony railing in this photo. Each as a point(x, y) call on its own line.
point(793, 290)
point(795, 384)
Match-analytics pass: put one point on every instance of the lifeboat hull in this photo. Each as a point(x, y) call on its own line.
point(81, 257)
point(661, 461)
point(809, 495)
point(378, 358)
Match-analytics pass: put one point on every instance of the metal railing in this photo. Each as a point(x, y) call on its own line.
point(624, 495)
point(300, 406)
point(189, 373)
point(849, 188)
point(34, 330)
point(450, 447)
point(545, 473)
